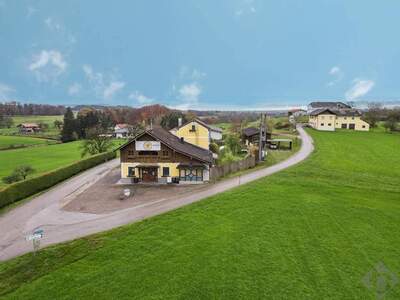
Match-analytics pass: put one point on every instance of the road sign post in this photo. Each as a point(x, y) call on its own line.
point(35, 237)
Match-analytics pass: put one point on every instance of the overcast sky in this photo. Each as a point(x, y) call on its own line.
point(199, 54)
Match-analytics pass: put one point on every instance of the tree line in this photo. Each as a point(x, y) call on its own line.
point(29, 109)
point(376, 114)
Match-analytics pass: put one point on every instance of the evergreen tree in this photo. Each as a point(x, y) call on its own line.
point(68, 131)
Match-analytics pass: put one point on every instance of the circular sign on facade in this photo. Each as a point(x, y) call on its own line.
point(148, 145)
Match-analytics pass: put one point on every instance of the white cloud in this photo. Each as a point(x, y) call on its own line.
point(190, 93)
point(337, 74)
point(335, 70)
point(5, 91)
point(140, 98)
point(104, 86)
point(31, 11)
point(74, 89)
point(52, 24)
point(48, 65)
point(245, 7)
point(187, 88)
point(360, 88)
point(95, 78)
point(113, 88)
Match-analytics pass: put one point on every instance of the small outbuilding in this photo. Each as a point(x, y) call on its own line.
point(27, 128)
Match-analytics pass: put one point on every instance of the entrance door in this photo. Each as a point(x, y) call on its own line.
point(352, 126)
point(149, 174)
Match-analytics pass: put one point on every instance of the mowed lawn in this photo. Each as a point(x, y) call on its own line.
point(42, 159)
point(8, 141)
point(310, 232)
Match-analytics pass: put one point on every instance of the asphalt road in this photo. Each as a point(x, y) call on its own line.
point(45, 211)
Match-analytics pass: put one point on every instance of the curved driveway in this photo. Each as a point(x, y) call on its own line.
point(45, 211)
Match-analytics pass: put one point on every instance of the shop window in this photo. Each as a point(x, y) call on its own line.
point(191, 174)
point(131, 171)
point(165, 171)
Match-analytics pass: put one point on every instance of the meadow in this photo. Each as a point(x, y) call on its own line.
point(22, 141)
point(313, 231)
point(42, 159)
point(52, 131)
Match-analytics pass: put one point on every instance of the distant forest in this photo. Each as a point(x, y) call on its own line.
point(19, 109)
point(124, 114)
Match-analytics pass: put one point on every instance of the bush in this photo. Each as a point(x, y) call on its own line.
point(214, 148)
point(282, 125)
point(19, 173)
point(14, 177)
point(20, 190)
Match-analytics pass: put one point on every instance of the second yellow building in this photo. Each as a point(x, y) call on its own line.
point(330, 120)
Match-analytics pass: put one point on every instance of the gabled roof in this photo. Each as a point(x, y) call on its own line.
point(332, 105)
point(176, 144)
point(348, 112)
point(338, 112)
point(322, 111)
point(28, 125)
point(122, 125)
point(250, 131)
point(209, 127)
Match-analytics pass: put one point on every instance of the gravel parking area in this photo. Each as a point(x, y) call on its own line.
point(104, 196)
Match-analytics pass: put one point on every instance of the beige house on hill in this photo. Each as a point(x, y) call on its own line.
point(329, 120)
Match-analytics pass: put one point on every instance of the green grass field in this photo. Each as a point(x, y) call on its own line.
point(42, 159)
point(52, 131)
point(20, 141)
point(310, 232)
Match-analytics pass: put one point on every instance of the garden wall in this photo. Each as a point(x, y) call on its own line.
point(221, 171)
point(20, 190)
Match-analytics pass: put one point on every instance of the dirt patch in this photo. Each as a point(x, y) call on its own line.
point(104, 195)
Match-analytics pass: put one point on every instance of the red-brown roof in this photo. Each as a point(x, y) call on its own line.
point(28, 125)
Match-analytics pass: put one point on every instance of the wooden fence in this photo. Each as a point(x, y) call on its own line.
point(221, 171)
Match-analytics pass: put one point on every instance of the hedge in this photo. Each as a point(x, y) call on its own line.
point(20, 190)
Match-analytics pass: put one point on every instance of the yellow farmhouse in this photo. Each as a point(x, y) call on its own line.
point(198, 133)
point(329, 119)
point(158, 156)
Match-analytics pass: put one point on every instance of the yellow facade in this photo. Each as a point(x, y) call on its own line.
point(173, 169)
point(356, 120)
point(323, 122)
point(329, 122)
point(195, 134)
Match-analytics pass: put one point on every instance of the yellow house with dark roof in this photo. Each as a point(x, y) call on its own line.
point(329, 120)
point(198, 133)
point(157, 155)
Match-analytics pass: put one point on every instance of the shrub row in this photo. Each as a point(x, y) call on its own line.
point(20, 190)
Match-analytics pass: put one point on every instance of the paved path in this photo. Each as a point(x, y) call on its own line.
point(45, 210)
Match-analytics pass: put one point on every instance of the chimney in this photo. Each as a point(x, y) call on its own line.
point(179, 122)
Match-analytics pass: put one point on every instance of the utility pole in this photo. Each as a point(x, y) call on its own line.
point(261, 137)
